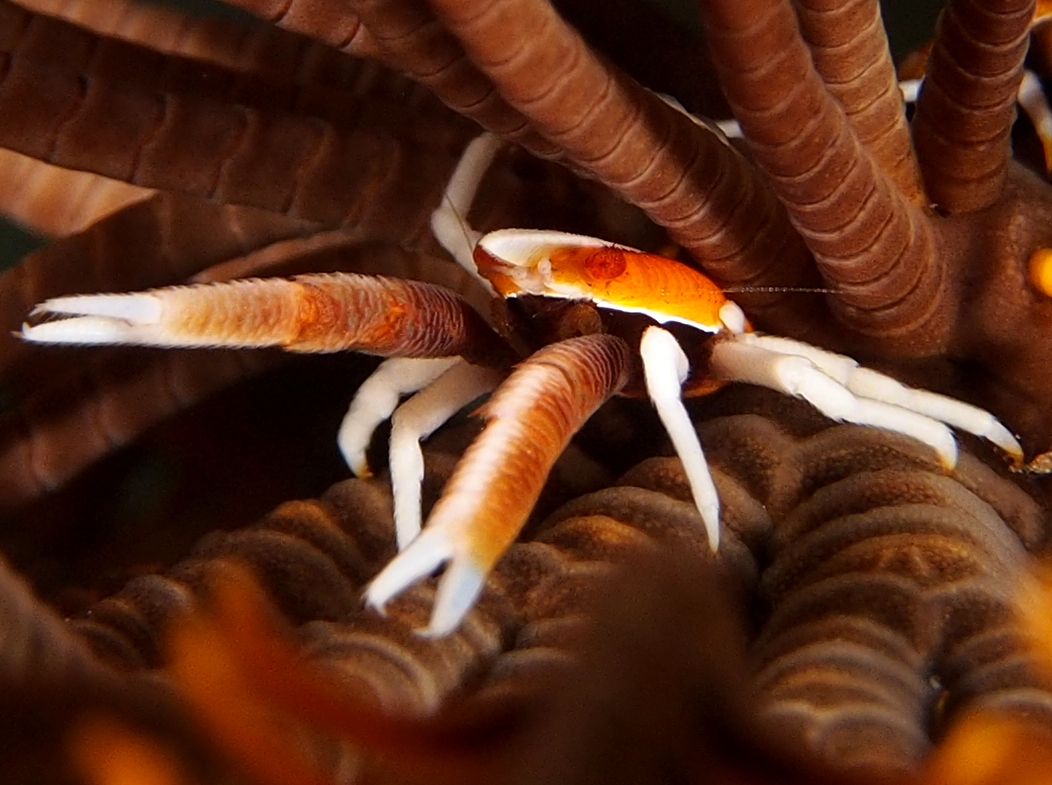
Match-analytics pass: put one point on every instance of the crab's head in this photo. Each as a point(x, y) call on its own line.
point(569, 266)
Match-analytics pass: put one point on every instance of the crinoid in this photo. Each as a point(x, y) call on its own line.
point(885, 585)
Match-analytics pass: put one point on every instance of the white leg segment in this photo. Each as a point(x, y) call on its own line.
point(449, 220)
point(799, 376)
point(377, 398)
point(415, 420)
point(875, 386)
point(665, 368)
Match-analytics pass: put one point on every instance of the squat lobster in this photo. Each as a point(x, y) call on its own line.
point(448, 355)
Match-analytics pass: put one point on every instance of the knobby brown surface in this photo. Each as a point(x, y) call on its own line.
point(863, 600)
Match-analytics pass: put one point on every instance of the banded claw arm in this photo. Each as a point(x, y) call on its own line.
point(309, 313)
point(530, 419)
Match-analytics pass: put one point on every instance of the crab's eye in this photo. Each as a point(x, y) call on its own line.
point(1040, 269)
point(604, 264)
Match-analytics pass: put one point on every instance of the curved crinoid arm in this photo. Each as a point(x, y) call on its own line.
point(55, 202)
point(840, 389)
point(531, 418)
point(883, 583)
point(890, 582)
point(308, 313)
point(850, 52)
point(874, 247)
point(201, 128)
point(966, 106)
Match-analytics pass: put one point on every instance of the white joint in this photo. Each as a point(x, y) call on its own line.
point(732, 317)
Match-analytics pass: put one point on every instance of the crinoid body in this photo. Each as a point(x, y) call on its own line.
point(158, 148)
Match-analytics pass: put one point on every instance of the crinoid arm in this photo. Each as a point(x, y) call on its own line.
point(842, 390)
point(665, 368)
point(530, 419)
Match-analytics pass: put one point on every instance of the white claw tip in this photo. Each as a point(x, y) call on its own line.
point(133, 308)
point(79, 330)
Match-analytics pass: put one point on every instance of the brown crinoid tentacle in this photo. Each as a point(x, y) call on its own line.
point(889, 584)
point(329, 22)
point(415, 43)
point(37, 646)
point(56, 202)
point(967, 104)
point(873, 246)
point(683, 176)
point(201, 129)
point(850, 52)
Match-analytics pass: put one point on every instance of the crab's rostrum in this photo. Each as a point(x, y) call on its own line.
point(921, 231)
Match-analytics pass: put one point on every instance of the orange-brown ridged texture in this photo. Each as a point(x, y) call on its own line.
point(965, 109)
point(841, 678)
point(891, 589)
point(850, 52)
point(873, 245)
point(530, 418)
point(328, 313)
point(414, 42)
point(333, 166)
point(1000, 346)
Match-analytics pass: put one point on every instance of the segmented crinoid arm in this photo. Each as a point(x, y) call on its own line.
point(850, 52)
point(309, 313)
point(38, 648)
point(199, 128)
point(967, 103)
point(530, 420)
point(873, 246)
point(56, 202)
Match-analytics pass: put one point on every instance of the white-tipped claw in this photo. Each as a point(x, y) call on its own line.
point(88, 330)
point(457, 591)
point(458, 588)
point(665, 368)
point(133, 308)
